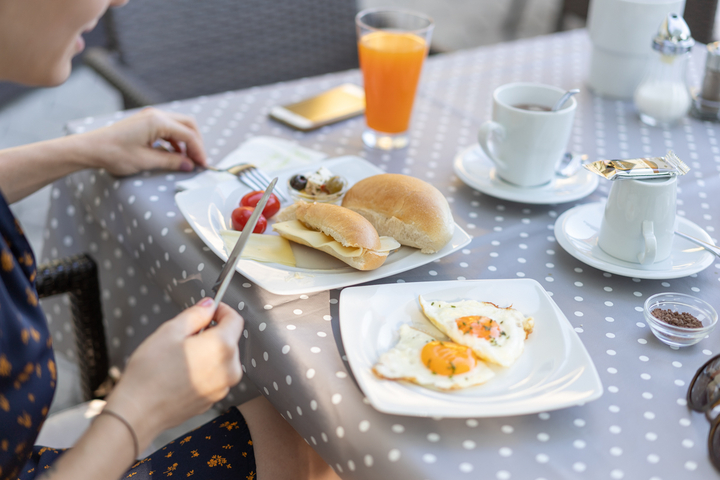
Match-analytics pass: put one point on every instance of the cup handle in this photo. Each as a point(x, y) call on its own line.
point(491, 132)
point(648, 255)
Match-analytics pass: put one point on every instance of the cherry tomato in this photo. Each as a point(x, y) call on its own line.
point(241, 215)
point(271, 207)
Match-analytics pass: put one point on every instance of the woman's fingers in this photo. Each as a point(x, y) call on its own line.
point(229, 323)
point(168, 128)
point(191, 320)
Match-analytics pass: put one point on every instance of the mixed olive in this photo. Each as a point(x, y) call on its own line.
point(334, 184)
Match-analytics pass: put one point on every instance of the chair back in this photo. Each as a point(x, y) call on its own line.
point(187, 48)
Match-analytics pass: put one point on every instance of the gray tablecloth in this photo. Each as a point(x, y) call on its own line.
point(153, 265)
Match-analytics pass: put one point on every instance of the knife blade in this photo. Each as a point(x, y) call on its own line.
point(228, 270)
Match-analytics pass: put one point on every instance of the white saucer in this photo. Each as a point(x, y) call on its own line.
point(477, 171)
point(577, 232)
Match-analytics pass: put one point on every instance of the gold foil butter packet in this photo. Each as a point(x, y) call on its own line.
point(640, 168)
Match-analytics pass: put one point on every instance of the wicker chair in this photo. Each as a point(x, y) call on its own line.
point(164, 50)
point(78, 276)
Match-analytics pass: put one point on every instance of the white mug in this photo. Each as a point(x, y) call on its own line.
point(526, 145)
point(638, 224)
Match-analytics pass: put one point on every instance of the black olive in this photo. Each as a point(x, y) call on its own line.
point(298, 182)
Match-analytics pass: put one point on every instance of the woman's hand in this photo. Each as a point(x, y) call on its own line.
point(177, 373)
point(126, 147)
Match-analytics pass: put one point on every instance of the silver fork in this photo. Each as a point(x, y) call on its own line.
point(251, 176)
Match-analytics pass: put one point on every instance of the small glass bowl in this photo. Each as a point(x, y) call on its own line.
point(297, 195)
point(679, 302)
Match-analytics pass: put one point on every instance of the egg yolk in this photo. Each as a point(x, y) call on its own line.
point(479, 326)
point(443, 358)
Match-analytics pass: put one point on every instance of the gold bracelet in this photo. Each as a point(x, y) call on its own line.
point(136, 444)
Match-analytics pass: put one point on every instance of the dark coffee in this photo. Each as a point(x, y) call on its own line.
point(533, 107)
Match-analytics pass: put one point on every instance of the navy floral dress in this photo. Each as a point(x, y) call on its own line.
point(221, 449)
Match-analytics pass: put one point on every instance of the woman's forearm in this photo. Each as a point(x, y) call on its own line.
point(26, 169)
point(104, 452)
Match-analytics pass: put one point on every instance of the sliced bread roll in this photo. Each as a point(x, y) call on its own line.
point(346, 235)
point(406, 208)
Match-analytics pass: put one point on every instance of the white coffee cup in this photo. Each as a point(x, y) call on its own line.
point(638, 224)
point(526, 145)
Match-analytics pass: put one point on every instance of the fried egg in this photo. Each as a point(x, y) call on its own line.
point(496, 335)
point(420, 359)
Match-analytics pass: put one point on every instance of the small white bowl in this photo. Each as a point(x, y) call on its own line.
point(679, 302)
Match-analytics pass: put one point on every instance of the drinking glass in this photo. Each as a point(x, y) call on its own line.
point(392, 46)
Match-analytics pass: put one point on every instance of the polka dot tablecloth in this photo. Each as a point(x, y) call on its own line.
point(153, 265)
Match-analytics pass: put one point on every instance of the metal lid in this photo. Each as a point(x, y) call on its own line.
point(673, 37)
point(712, 60)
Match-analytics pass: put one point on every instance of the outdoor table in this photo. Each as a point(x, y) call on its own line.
point(153, 265)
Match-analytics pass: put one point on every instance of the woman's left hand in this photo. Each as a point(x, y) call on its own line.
point(127, 147)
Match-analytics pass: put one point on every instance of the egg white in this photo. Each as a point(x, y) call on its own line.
point(503, 350)
point(403, 362)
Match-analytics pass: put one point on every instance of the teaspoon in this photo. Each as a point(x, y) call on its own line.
point(707, 246)
point(564, 99)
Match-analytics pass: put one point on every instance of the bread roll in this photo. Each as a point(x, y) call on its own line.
point(344, 226)
point(406, 208)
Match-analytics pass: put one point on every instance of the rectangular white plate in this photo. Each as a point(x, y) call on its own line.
point(554, 371)
point(208, 209)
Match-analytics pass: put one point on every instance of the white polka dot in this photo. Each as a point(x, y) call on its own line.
point(616, 451)
point(394, 455)
point(649, 415)
point(429, 458)
point(465, 467)
point(285, 349)
point(617, 474)
point(262, 326)
point(505, 452)
point(651, 436)
point(468, 444)
point(368, 460)
point(310, 373)
point(340, 432)
point(579, 444)
point(542, 458)
point(336, 399)
point(579, 422)
point(690, 465)
point(502, 475)
point(315, 349)
point(579, 467)
point(290, 327)
point(397, 428)
point(433, 437)
point(543, 437)
point(615, 429)
point(364, 426)
point(288, 380)
point(687, 443)
point(472, 423)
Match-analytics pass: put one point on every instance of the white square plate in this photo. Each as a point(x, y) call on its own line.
point(208, 209)
point(554, 371)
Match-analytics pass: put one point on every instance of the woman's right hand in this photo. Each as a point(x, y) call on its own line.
point(178, 371)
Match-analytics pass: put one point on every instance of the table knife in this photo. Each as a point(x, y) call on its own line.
point(229, 269)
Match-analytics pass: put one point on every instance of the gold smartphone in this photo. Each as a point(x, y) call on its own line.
point(340, 103)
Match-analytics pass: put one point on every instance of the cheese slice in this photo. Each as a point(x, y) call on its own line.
point(296, 229)
point(262, 248)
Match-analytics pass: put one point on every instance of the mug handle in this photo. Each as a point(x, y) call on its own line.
point(488, 131)
point(647, 256)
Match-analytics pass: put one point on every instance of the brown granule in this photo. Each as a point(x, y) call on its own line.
point(677, 319)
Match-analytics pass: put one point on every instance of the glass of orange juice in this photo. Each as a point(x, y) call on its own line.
point(392, 46)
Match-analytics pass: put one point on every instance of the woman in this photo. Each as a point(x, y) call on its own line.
point(177, 372)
